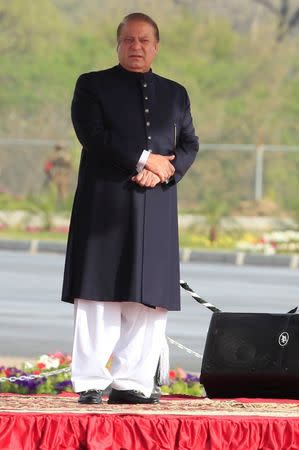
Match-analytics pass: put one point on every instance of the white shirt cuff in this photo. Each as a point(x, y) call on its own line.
point(142, 160)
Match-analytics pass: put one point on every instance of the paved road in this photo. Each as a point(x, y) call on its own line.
point(33, 320)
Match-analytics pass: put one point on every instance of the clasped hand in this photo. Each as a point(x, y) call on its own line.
point(145, 178)
point(158, 168)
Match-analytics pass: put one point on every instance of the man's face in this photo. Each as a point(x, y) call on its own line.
point(137, 46)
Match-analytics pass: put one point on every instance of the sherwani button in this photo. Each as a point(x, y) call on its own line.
point(146, 110)
point(148, 124)
point(144, 85)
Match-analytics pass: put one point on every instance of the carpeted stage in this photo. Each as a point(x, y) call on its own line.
point(177, 423)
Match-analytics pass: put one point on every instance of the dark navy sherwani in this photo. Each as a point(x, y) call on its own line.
point(123, 239)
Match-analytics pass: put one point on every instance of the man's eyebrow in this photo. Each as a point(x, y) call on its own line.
point(131, 36)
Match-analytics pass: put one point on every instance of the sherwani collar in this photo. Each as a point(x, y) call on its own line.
point(139, 76)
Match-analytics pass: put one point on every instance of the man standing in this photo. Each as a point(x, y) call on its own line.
point(122, 262)
point(58, 169)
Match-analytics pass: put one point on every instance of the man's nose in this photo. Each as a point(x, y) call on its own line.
point(136, 44)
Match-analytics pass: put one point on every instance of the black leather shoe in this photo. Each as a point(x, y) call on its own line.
point(92, 396)
point(130, 398)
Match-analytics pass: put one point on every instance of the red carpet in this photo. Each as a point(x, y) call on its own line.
point(178, 423)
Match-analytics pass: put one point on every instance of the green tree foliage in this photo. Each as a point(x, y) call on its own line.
point(27, 26)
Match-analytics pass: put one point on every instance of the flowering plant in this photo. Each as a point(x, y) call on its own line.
point(271, 243)
point(43, 385)
point(181, 382)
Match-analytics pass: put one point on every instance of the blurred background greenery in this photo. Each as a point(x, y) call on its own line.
point(239, 62)
point(243, 83)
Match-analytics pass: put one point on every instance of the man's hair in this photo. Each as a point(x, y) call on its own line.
point(141, 17)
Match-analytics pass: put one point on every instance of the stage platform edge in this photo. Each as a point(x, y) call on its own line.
point(46, 422)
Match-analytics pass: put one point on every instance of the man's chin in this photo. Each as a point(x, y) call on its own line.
point(136, 66)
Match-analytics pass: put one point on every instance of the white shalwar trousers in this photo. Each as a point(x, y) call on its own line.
point(131, 332)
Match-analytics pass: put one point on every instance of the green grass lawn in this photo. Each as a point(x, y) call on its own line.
point(26, 235)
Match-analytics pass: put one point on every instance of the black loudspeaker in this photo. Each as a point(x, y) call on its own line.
point(252, 355)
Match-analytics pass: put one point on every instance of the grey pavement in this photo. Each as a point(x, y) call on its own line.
point(34, 321)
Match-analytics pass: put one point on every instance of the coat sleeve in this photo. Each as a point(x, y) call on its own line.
point(88, 121)
point(187, 145)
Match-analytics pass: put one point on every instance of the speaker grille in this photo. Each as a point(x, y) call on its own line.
point(247, 342)
point(252, 355)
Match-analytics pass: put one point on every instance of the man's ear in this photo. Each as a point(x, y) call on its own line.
point(157, 47)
